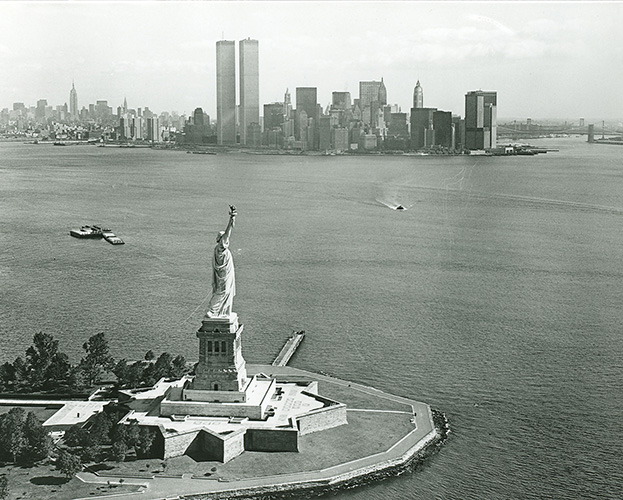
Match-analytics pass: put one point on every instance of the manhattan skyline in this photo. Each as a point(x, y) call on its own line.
point(548, 60)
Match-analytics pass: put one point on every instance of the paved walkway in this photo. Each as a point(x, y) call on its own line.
point(170, 488)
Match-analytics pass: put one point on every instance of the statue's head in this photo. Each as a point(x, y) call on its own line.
point(220, 235)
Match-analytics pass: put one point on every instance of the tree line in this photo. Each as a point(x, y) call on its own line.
point(46, 369)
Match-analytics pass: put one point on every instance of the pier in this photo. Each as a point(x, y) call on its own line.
point(289, 348)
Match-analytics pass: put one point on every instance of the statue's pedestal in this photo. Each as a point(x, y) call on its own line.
point(221, 387)
point(221, 366)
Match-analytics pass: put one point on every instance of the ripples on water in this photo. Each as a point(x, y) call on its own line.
point(495, 296)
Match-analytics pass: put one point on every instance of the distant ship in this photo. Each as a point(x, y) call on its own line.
point(111, 237)
point(87, 232)
point(97, 232)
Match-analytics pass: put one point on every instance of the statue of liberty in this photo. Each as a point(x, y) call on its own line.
point(223, 277)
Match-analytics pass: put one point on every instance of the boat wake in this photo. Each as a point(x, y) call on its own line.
point(393, 205)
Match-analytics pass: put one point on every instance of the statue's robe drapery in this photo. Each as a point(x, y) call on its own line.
point(223, 282)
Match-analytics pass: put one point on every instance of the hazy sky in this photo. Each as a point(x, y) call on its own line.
point(545, 59)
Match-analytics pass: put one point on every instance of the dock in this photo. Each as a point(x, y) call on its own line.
point(289, 348)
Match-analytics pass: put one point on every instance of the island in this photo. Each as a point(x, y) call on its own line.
point(225, 429)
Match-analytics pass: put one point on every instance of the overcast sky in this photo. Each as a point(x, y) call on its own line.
point(545, 60)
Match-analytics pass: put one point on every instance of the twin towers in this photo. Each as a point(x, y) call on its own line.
point(249, 110)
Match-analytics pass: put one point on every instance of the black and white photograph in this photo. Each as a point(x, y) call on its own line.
point(274, 250)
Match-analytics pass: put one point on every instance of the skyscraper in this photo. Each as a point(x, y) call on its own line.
point(226, 92)
point(480, 120)
point(249, 86)
point(422, 127)
point(372, 91)
point(340, 100)
point(418, 96)
point(306, 98)
point(372, 98)
point(73, 102)
point(307, 101)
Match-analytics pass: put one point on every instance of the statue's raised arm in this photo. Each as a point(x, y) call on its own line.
point(223, 276)
point(230, 224)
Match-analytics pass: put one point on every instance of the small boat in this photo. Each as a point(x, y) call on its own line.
point(86, 232)
point(111, 237)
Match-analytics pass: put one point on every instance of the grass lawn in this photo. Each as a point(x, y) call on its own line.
point(45, 482)
point(367, 433)
point(42, 412)
point(354, 398)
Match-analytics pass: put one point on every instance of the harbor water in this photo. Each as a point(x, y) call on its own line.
point(495, 297)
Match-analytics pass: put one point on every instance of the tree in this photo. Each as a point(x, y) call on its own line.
point(97, 359)
point(144, 442)
point(12, 440)
point(39, 357)
point(132, 434)
point(68, 463)
point(118, 433)
point(149, 355)
point(162, 366)
point(59, 372)
point(121, 370)
point(7, 375)
point(4, 487)
point(38, 442)
point(119, 451)
point(91, 453)
point(76, 436)
point(20, 371)
point(99, 429)
point(136, 374)
point(178, 367)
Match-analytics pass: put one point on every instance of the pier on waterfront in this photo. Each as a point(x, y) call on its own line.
point(289, 348)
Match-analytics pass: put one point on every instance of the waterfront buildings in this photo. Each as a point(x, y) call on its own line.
point(226, 92)
point(249, 114)
point(480, 119)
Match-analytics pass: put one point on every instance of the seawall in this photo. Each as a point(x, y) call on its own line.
point(383, 469)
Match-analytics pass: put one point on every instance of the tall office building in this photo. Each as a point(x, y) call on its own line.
point(422, 127)
point(153, 129)
point(249, 86)
point(372, 99)
point(480, 120)
point(340, 100)
point(307, 101)
point(73, 102)
point(226, 92)
point(273, 115)
point(372, 91)
point(418, 96)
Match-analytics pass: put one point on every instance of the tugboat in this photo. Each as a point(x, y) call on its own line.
point(86, 232)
